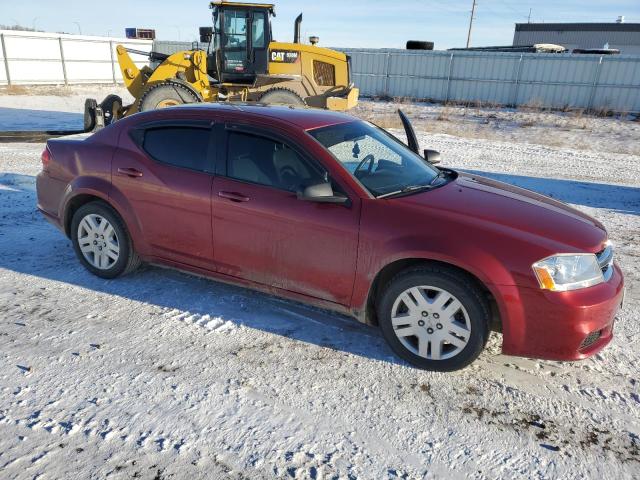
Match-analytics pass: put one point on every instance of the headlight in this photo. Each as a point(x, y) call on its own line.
point(563, 272)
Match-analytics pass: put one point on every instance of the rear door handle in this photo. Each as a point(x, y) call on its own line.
point(233, 196)
point(130, 172)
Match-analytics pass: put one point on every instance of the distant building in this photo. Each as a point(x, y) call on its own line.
point(140, 33)
point(622, 36)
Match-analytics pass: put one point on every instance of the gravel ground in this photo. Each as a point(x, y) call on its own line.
point(165, 375)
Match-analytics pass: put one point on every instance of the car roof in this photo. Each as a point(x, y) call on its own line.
point(302, 117)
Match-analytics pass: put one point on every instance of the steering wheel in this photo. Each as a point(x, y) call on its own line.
point(288, 176)
point(369, 158)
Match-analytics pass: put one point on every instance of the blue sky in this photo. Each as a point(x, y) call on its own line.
point(340, 23)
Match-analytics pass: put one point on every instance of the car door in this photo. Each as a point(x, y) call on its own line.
point(165, 171)
point(263, 233)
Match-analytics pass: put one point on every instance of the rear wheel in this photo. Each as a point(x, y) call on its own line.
point(101, 241)
point(167, 94)
point(435, 318)
point(280, 96)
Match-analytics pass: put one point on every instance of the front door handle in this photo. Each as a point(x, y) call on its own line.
point(233, 196)
point(130, 172)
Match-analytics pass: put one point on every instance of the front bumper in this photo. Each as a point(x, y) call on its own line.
point(560, 325)
point(345, 102)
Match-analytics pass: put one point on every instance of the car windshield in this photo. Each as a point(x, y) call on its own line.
point(380, 162)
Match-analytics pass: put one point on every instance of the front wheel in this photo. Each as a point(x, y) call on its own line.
point(434, 317)
point(101, 241)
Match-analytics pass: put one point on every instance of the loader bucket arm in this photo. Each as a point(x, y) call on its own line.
point(131, 74)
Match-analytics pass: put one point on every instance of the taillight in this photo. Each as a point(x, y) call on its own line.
point(46, 158)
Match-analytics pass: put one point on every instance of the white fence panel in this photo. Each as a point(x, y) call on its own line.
point(49, 58)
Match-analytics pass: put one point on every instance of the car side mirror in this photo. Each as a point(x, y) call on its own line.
point(205, 34)
point(322, 193)
point(432, 156)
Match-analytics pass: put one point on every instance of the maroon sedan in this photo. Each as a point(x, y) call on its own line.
point(327, 209)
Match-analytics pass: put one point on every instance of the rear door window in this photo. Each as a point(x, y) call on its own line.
point(180, 146)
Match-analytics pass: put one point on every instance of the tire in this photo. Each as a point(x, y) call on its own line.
point(89, 118)
point(280, 96)
point(165, 95)
point(419, 45)
point(126, 260)
point(111, 107)
point(471, 320)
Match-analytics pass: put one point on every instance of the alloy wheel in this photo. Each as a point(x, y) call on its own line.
point(98, 241)
point(431, 322)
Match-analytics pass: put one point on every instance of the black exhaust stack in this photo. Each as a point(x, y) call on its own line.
point(296, 29)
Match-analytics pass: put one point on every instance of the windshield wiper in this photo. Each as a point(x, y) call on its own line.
point(407, 189)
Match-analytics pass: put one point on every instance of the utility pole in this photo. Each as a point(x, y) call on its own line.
point(473, 11)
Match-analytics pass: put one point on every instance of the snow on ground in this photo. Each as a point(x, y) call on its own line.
point(166, 375)
point(573, 129)
point(29, 108)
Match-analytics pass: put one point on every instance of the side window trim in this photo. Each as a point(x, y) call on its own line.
point(137, 132)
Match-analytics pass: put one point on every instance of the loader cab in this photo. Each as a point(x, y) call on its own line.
point(240, 41)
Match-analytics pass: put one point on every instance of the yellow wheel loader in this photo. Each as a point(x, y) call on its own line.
point(242, 63)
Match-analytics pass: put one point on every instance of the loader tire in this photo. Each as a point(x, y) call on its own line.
point(90, 105)
point(281, 96)
point(165, 95)
point(111, 107)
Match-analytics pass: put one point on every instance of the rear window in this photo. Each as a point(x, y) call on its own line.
point(184, 147)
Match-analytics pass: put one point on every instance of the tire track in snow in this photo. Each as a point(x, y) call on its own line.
point(205, 321)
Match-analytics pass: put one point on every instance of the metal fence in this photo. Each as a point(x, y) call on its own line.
point(545, 80)
point(171, 47)
point(49, 58)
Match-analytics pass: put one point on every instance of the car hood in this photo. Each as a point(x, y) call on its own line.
point(512, 208)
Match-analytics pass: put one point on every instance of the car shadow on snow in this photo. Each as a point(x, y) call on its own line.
point(619, 198)
point(31, 246)
point(12, 119)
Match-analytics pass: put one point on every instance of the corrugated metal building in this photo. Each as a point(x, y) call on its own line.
point(623, 36)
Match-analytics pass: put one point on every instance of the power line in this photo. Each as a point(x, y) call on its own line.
point(502, 14)
point(513, 9)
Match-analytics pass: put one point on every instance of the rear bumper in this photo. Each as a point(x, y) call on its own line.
point(560, 325)
point(52, 219)
point(345, 102)
point(48, 192)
